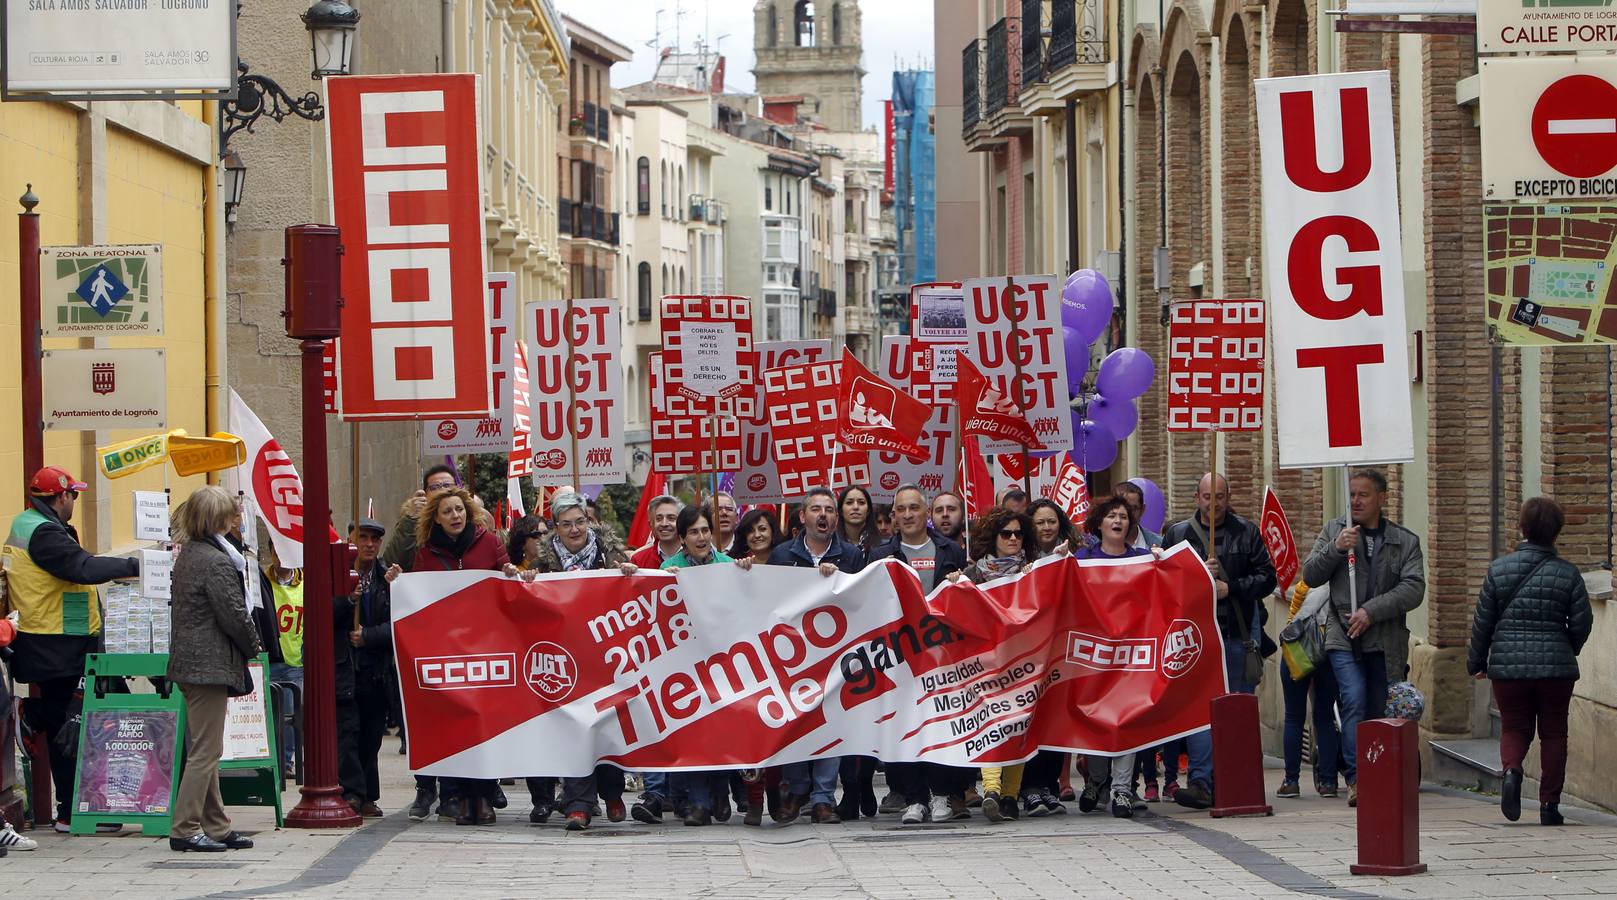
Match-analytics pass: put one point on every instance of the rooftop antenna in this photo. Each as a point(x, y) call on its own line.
point(657, 33)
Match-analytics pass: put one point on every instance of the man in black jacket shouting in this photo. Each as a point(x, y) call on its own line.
point(1242, 576)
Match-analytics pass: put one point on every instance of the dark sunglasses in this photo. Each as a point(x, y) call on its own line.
point(1011, 533)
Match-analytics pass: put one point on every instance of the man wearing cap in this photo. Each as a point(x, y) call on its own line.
point(365, 671)
point(51, 581)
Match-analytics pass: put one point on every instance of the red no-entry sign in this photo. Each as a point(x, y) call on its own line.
point(1575, 126)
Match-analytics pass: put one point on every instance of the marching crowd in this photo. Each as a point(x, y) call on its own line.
point(1362, 577)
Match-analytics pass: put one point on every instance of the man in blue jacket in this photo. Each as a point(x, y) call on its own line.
point(818, 546)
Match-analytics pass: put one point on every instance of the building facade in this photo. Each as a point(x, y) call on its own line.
point(589, 221)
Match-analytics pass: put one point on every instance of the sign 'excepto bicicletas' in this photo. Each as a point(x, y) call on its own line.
point(1549, 128)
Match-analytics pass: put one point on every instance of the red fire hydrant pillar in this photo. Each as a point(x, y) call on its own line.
point(1389, 798)
point(1237, 758)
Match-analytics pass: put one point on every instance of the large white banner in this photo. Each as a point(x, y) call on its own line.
point(758, 479)
point(486, 434)
point(1014, 336)
point(78, 46)
point(575, 343)
point(1334, 260)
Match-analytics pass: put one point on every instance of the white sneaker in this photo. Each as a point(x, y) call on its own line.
point(915, 814)
point(11, 840)
point(940, 809)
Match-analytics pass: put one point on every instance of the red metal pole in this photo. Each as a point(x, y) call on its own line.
point(322, 805)
point(1237, 758)
point(33, 435)
point(1389, 798)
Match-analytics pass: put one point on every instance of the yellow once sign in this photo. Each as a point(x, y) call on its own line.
point(129, 457)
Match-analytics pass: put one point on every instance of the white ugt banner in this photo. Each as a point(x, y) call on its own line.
point(1333, 255)
point(271, 481)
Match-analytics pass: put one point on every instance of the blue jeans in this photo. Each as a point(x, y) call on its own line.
point(822, 772)
point(1199, 746)
point(1327, 741)
point(699, 788)
point(656, 786)
point(1362, 692)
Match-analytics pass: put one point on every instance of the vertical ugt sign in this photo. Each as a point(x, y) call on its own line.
point(1333, 257)
point(407, 192)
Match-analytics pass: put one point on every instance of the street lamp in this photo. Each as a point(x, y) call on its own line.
point(235, 182)
point(331, 25)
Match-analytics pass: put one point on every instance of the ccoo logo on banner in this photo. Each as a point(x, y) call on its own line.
point(724, 668)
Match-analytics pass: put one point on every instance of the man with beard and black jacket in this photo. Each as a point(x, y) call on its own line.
point(364, 670)
point(51, 583)
point(1243, 575)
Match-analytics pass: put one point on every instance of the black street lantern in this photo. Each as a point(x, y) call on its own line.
point(235, 182)
point(331, 25)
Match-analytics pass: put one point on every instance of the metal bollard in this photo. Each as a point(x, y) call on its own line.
point(1389, 798)
point(1237, 758)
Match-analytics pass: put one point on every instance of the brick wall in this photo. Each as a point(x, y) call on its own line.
point(1014, 198)
point(1243, 453)
point(1188, 166)
point(1576, 450)
point(1148, 235)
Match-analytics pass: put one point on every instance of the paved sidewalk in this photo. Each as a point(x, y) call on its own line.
point(1304, 849)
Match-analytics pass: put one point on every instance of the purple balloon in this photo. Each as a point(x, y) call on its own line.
point(1120, 417)
point(1086, 304)
point(1125, 373)
point(1093, 446)
point(1156, 506)
point(1076, 351)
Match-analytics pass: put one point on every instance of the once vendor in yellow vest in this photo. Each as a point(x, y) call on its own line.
point(287, 586)
point(49, 580)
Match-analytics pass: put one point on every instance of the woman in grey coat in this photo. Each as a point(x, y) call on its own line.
point(212, 639)
point(1532, 619)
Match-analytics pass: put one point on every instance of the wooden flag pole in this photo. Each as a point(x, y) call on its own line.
point(354, 469)
point(713, 438)
point(1212, 485)
point(572, 392)
point(1016, 361)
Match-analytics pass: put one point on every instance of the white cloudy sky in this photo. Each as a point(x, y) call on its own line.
point(894, 30)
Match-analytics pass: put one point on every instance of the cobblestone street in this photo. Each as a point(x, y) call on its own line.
point(1304, 849)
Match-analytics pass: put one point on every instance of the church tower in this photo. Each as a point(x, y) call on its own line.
point(812, 49)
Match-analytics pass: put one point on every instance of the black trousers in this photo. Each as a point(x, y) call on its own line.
point(577, 794)
point(920, 782)
point(48, 713)
point(1043, 771)
point(372, 698)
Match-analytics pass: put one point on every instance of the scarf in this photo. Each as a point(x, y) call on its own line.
point(455, 545)
point(575, 562)
point(240, 562)
point(1001, 566)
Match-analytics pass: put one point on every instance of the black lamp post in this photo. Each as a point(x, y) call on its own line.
point(331, 25)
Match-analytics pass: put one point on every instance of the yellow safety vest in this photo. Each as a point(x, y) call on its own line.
point(44, 603)
point(289, 620)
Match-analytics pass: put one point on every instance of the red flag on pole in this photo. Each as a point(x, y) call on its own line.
point(1277, 536)
point(640, 528)
point(977, 494)
point(874, 415)
point(987, 411)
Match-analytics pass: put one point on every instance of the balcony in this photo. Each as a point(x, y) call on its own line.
point(1032, 42)
point(998, 78)
point(603, 124)
point(587, 222)
point(999, 81)
point(712, 285)
point(1073, 57)
point(971, 84)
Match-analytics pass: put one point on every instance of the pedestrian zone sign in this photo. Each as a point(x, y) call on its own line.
point(102, 290)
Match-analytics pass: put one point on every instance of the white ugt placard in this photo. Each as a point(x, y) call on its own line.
point(1333, 255)
point(1015, 339)
point(489, 434)
point(597, 394)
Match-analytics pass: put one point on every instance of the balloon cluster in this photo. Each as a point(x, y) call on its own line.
point(1107, 414)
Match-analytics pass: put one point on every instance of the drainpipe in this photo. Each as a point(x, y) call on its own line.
point(447, 21)
point(1122, 187)
point(213, 290)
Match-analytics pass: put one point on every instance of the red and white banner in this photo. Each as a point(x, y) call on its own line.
point(707, 347)
point(1278, 538)
point(485, 434)
point(575, 367)
point(724, 668)
point(685, 433)
point(758, 479)
point(1071, 492)
point(521, 456)
point(988, 412)
point(1015, 338)
point(271, 481)
point(802, 408)
point(1334, 259)
point(874, 415)
point(1215, 365)
point(926, 372)
point(406, 182)
point(1041, 473)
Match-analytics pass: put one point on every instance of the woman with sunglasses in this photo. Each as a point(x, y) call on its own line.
point(998, 545)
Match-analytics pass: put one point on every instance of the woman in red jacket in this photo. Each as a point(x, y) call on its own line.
point(449, 539)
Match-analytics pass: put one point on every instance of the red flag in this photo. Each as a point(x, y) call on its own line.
point(977, 490)
point(640, 528)
point(1277, 536)
point(874, 415)
point(987, 411)
point(1072, 492)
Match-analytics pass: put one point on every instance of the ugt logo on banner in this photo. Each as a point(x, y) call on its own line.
point(1335, 267)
